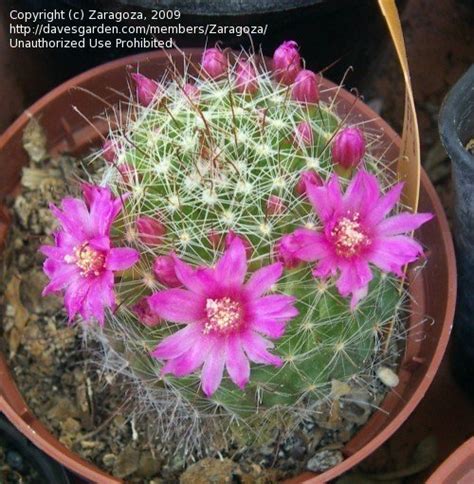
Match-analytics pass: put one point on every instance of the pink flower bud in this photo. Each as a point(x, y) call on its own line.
point(146, 88)
point(307, 177)
point(231, 235)
point(214, 62)
point(305, 88)
point(286, 248)
point(163, 267)
point(303, 135)
point(275, 205)
point(286, 62)
point(348, 147)
point(109, 151)
point(192, 92)
point(150, 230)
point(246, 78)
point(144, 313)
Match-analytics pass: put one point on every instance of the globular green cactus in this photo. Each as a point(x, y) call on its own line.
point(213, 159)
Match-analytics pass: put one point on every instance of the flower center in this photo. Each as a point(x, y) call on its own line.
point(89, 260)
point(223, 315)
point(349, 237)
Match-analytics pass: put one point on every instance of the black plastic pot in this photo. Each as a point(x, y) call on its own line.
point(22, 455)
point(456, 126)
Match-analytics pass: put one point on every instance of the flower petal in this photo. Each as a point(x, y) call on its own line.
point(187, 362)
point(237, 364)
point(384, 205)
point(199, 280)
point(275, 306)
point(269, 327)
point(61, 275)
point(75, 295)
point(255, 346)
point(355, 275)
point(213, 369)
point(313, 245)
point(121, 258)
point(100, 296)
point(232, 266)
point(326, 198)
point(362, 193)
point(178, 343)
point(402, 223)
point(178, 305)
point(262, 280)
point(390, 254)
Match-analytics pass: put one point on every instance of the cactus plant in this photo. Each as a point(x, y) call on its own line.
point(224, 184)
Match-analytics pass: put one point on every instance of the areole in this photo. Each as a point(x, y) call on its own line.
point(433, 290)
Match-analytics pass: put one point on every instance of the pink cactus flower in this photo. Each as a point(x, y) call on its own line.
point(150, 230)
point(303, 135)
point(192, 92)
point(164, 269)
point(246, 78)
point(275, 205)
point(357, 232)
point(146, 88)
point(286, 62)
point(144, 314)
point(307, 176)
point(214, 63)
point(82, 262)
point(348, 147)
point(305, 89)
point(110, 150)
point(227, 321)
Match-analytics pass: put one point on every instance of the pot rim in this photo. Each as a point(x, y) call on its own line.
point(12, 404)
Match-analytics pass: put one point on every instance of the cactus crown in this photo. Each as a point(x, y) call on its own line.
point(208, 160)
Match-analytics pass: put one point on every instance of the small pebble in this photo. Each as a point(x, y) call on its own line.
point(388, 377)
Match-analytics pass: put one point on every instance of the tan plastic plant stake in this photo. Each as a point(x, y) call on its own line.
point(408, 168)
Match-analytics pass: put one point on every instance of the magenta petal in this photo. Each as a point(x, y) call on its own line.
point(232, 266)
point(237, 363)
point(269, 327)
point(186, 363)
point(54, 251)
point(178, 305)
point(354, 276)
point(99, 297)
point(362, 193)
point(76, 211)
point(358, 295)
point(213, 369)
point(315, 247)
point(392, 253)
point(256, 348)
point(198, 280)
point(402, 223)
point(325, 268)
point(272, 305)
point(61, 275)
point(178, 343)
point(75, 295)
point(121, 258)
point(384, 205)
point(69, 224)
point(262, 280)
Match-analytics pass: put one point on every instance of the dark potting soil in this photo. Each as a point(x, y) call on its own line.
point(90, 410)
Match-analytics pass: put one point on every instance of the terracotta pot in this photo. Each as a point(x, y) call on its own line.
point(458, 468)
point(434, 289)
